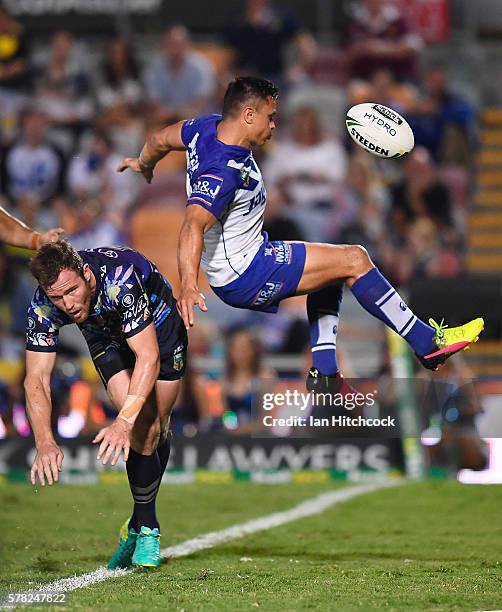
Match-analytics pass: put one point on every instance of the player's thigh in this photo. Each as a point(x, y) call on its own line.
point(327, 263)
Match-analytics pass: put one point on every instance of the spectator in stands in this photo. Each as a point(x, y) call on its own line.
point(120, 97)
point(420, 193)
point(14, 66)
point(179, 81)
point(260, 38)
point(383, 87)
point(93, 172)
point(442, 121)
point(307, 167)
point(424, 254)
point(245, 379)
point(378, 37)
point(362, 202)
point(120, 79)
point(93, 228)
point(63, 88)
point(33, 164)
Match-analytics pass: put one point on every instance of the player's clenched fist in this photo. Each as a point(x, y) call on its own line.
point(189, 298)
point(114, 439)
point(47, 464)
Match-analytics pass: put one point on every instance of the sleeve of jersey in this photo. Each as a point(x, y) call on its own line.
point(189, 128)
point(214, 191)
point(131, 301)
point(42, 325)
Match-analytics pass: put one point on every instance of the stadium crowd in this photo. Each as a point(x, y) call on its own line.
point(69, 113)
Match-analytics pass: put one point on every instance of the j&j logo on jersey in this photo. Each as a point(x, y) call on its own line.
point(267, 293)
point(207, 187)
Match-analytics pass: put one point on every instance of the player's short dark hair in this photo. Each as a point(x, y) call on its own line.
point(246, 89)
point(51, 259)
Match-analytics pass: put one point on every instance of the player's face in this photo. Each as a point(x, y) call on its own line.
point(263, 123)
point(72, 294)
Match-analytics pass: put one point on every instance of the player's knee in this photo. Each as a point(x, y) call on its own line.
point(146, 439)
point(359, 260)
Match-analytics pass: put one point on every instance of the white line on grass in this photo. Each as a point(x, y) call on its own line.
point(312, 506)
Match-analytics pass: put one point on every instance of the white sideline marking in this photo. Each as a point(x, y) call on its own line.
point(312, 506)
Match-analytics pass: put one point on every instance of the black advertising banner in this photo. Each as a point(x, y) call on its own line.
point(229, 453)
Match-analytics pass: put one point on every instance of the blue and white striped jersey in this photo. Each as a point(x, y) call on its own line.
point(225, 180)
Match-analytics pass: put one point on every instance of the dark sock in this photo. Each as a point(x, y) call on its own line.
point(164, 450)
point(323, 310)
point(144, 474)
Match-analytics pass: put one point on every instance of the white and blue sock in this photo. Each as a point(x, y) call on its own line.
point(379, 298)
point(323, 310)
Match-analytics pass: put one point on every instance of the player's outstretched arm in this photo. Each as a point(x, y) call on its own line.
point(49, 457)
point(115, 439)
point(157, 146)
point(16, 233)
point(197, 221)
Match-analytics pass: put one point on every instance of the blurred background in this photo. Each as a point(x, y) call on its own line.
point(82, 84)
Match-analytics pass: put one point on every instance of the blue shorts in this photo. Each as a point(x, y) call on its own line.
point(272, 276)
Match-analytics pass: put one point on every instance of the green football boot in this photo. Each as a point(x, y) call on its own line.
point(122, 557)
point(147, 552)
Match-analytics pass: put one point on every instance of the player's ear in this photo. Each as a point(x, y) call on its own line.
point(248, 115)
point(86, 270)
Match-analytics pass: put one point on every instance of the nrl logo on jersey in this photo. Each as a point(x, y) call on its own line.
point(245, 172)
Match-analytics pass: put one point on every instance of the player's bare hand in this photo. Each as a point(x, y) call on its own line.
point(47, 464)
point(114, 440)
point(188, 299)
point(52, 235)
point(134, 164)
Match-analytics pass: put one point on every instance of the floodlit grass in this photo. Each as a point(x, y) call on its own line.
point(426, 546)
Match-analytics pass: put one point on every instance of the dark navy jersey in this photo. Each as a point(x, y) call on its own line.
point(130, 294)
point(225, 180)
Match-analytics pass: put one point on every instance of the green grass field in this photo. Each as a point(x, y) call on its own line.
point(426, 546)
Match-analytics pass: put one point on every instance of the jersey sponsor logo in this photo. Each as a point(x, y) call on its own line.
point(140, 308)
point(402, 306)
point(267, 293)
point(41, 339)
point(30, 323)
point(282, 253)
point(258, 200)
point(108, 253)
point(207, 187)
point(128, 300)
